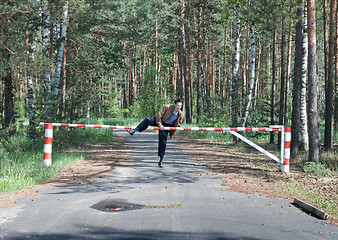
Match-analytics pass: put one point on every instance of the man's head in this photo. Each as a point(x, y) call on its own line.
point(178, 104)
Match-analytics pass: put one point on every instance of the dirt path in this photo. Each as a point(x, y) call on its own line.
point(245, 170)
point(236, 164)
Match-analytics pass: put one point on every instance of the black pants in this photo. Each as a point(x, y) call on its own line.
point(162, 135)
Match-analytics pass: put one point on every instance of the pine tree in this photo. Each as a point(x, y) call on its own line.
point(314, 130)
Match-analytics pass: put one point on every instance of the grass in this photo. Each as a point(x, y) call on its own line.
point(21, 160)
point(163, 206)
point(306, 190)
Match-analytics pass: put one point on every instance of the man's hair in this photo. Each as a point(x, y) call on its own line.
point(178, 100)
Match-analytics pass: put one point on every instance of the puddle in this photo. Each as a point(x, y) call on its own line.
point(116, 205)
point(121, 205)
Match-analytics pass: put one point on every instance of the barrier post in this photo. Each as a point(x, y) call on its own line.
point(47, 148)
point(287, 144)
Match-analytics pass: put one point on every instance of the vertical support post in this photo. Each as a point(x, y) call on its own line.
point(47, 148)
point(287, 144)
point(282, 143)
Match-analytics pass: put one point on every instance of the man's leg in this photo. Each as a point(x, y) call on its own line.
point(162, 145)
point(150, 121)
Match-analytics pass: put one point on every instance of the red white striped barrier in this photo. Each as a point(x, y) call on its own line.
point(47, 148)
point(237, 129)
point(285, 148)
point(287, 145)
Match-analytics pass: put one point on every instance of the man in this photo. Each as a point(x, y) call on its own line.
point(168, 116)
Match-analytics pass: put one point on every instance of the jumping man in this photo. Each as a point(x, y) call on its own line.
point(168, 116)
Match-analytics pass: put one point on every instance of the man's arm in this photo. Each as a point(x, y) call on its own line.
point(160, 114)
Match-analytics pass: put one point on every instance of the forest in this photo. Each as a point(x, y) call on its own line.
point(234, 63)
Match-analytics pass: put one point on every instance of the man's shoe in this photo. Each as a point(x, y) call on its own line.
point(160, 164)
point(131, 132)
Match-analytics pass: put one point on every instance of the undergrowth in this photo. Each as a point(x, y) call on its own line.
point(21, 160)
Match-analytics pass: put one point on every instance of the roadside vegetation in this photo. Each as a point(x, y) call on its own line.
point(21, 159)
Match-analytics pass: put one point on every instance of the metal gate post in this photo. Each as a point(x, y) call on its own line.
point(47, 148)
point(287, 145)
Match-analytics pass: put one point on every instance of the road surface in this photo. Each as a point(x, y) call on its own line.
point(138, 200)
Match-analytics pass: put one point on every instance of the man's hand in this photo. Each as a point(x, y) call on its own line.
point(161, 127)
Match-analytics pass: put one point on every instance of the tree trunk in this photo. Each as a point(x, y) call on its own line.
point(304, 135)
point(252, 65)
point(184, 65)
point(189, 66)
point(60, 53)
point(246, 75)
point(64, 84)
point(314, 130)
point(180, 71)
point(7, 75)
point(295, 125)
point(46, 45)
point(237, 36)
point(329, 83)
point(273, 86)
point(156, 51)
point(336, 75)
point(282, 86)
point(133, 72)
point(326, 44)
point(224, 79)
point(30, 76)
point(288, 71)
point(198, 38)
point(203, 59)
point(8, 91)
point(174, 75)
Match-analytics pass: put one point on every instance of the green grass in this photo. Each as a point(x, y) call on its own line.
point(330, 159)
point(21, 161)
point(163, 206)
point(305, 190)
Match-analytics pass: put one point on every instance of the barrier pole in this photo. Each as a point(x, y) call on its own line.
point(285, 140)
point(47, 148)
point(287, 144)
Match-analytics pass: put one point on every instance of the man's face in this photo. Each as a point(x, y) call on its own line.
point(178, 106)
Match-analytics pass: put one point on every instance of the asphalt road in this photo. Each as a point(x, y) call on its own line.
point(138, 200)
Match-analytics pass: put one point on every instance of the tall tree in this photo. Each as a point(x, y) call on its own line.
point(252, 65)
point(184, 65)
point(295, 125)
point(273, 86)
point(304, 134)
point(336, 75)
point(198, 39)
point(326, 40)
point(235, 67)
point(282, 79)
point(46, 44)
point(288, 70)
point(7, 77)
point(314, 130)
point(329, 83)
point(30, 70)
point(60, 55)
